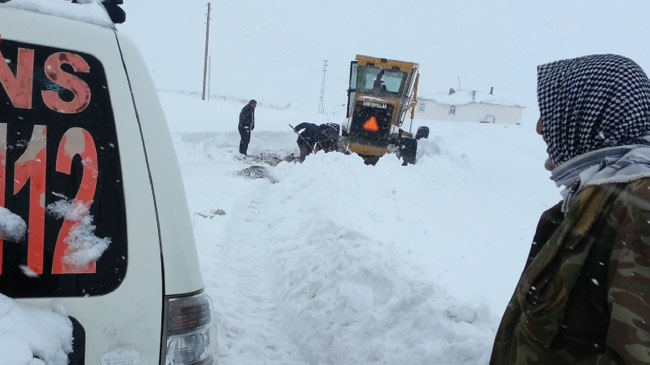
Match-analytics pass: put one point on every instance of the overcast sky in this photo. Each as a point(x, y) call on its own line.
point(274, 51)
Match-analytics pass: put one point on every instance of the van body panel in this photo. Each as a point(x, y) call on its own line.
point(128, 319)
point(182, 273)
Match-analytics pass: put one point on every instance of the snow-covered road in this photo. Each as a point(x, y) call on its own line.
point(252, 326)
point(335, 262)
point(234, 256)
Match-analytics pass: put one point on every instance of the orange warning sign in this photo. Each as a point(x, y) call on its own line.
point(371, 125)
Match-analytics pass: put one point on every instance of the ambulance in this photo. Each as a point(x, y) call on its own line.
point(88, 164)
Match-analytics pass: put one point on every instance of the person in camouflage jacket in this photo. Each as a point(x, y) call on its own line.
point(584, 294)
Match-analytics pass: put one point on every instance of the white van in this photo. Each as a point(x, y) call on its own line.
point(87, 162)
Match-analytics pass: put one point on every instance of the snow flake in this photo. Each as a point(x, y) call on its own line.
point(28, 272)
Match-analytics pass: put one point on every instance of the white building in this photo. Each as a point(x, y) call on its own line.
point(467, 106)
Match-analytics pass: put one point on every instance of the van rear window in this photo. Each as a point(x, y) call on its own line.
point(60, 174)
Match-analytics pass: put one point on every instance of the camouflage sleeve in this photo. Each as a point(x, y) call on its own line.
point(628, 335)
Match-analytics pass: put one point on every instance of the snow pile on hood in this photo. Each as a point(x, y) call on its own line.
point(88, 11)
point(32, 336)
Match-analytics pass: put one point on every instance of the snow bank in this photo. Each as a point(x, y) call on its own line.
point(32, 336)
point(346, 295)
point(384, 263)
point(345, 289)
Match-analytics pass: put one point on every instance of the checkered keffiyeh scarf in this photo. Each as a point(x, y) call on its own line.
point(592, 102)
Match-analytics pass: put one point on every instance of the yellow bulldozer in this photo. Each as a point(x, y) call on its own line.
point(380, 95)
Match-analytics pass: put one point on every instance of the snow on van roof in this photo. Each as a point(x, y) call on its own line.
point(87, 11)
point(462, 97)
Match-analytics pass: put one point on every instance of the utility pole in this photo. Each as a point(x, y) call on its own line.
point(209, 77)
point(321, 106)
point(207, 42)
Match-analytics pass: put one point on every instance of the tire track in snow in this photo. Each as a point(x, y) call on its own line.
point(252, 331)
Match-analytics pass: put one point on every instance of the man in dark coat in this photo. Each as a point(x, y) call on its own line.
point(246, 125)
point(583, 297)
point(309, 137)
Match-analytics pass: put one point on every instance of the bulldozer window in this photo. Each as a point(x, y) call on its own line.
point(369, 80)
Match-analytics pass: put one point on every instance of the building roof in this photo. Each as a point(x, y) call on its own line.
point(462, 97)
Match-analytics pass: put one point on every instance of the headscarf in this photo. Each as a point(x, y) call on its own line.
point(592, 102)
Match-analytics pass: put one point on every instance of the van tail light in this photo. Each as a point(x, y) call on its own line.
point(190, 333)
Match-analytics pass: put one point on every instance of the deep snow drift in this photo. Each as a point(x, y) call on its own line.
point(335, 262)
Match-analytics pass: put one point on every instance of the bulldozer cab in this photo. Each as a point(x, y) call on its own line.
point(380, 95)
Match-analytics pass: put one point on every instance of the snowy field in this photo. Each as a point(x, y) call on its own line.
point(332, 261)
point(335, 262)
